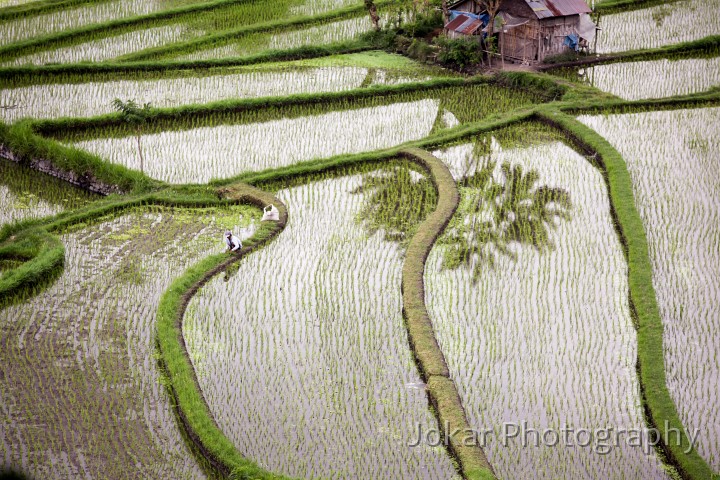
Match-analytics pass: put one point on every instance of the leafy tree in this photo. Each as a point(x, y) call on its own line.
point(135, 116)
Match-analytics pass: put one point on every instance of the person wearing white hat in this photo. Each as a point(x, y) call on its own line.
point(233, 243)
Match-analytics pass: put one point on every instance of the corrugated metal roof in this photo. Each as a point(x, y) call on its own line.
point(464, 24)
point(558, 8)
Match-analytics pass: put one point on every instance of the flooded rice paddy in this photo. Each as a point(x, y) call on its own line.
point(88, 99)
point(81, 393)
point(338, 31)
point(542, 336)
point(653, 27)
point(224, 151)
point(94, 12)
point(669, 77)
point(673, 163)
point(25, 193)
point(302, 354)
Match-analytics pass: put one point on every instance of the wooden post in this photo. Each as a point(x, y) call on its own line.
point(501, 38)
point(597, 32)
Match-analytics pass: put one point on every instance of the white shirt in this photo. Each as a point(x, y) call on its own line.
point(236, 241)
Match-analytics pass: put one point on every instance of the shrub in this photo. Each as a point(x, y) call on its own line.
point(423, 25)
point(382, 39)
point(420, 50)
point(460, 52)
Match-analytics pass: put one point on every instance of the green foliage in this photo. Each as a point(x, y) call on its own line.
point(495, 214)
point(459, 52)
point(396, 202)
point(658, 403)
point(383, 39)
point(423, 25)
point(131, 112)
point(420, 50)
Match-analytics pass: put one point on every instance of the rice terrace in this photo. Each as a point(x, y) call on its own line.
point(360, 239)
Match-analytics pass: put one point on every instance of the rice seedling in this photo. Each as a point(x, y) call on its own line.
point(10, 3)
point(672, 160)
point(225, 151)
point(25, 193)
point(278, 137)
point(89, 99)
point(660, 25)
point(27, 27)
point(538, 333)
point(81, 392)
point(315, 7)
point(107, 48)
point(670, 77)
point(192, 22)
point(301, 352)
point(256, 43)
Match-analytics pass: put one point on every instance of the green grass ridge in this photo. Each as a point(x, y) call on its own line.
point(617, 6)
point(225, 37)
point(28, 74)
point(701, 48)
point(87, 168)
point(428, 355)
point(192, 408)
point(109, 28)
point(38, 7)
point(660, 407)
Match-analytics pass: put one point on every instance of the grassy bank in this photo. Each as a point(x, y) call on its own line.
point(702, 48)
point(192, 408)
point(428, 355)
point(225, 37)
point(615, 6)
point(88, 72)
point(105, 29)
point(70, 163)
point(651, 363)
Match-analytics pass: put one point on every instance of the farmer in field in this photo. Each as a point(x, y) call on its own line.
point(233, 243)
